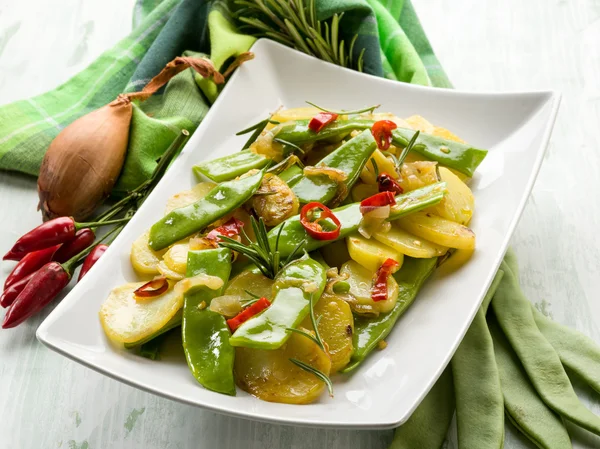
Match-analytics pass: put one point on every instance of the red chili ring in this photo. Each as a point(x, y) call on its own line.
point(313, 228)
point(155, 287)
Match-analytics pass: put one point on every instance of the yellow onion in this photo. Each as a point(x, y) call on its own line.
point(83, 162)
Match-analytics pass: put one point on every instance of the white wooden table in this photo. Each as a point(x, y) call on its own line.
point(47, 401)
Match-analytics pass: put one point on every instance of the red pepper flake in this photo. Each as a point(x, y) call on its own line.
point(382, 132)
point(321, 120)
point(388, 184)
point(379, 292)
point(313, 228)
point(155, 287)
point(380, 199)
point(248, 313)
point(230, 229)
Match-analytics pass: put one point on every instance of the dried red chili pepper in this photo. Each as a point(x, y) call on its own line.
point(248, 313)
point(30, 264)
point(380, 199)
point(91, 259)
point(155, 287)
point(388, 184)
point(12, 291)
point(321, 120)
point(382, 132)
point(43, 287)
point(231, 228)
point(313, 228)
point(51, 233)
point(83, 239)
point(379, 292)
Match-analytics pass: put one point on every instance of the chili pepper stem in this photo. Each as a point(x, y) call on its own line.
point(97, 224)
point(70, 265)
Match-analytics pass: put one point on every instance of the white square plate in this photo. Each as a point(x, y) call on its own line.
point(386, 389)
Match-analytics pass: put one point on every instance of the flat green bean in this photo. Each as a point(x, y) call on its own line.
point(230, 166)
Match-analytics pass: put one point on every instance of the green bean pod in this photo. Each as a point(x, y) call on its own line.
point(294, 287)
point(577, 352)
point(230, 166)
point(187, 220)
point(522, 404)
point(368, 332)
point(541, 362)
point(294, 235)
point(205, 333)
point(350, 158)
point(428, 425)
point(292, 175)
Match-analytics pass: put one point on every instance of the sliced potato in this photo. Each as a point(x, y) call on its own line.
point(126, 320)
point(144, 259)
point(286, 115)
point(176, 257)
point(361, 191)
point(335, 254)
point(420, 123)
point(271, 376)
point(414, 175)
point(164, 270)
point(361, 284)
point(443, 132)
point(370, 253)
point(274, 201)
point(456, 260)
point(408, 244)
point(252, 281)
point(438, 230)
point(386, 116)
point(384, 165)
point(458, 203)
point(188, 197)
point(336, 326)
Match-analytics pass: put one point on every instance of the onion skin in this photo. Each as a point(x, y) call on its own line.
point(84, 161)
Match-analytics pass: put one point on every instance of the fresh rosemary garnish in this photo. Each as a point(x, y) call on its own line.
point(407, 149)
point(320, 374)
point(375, 167)
point(294, 23)
point(289, 144)
point(342, 112)
point(257, 129)
point(249, 293)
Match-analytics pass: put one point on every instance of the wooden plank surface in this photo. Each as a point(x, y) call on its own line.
point(47, 401)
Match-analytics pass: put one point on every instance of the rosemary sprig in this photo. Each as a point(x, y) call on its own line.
point(317, 372)
point(407, 148)
point(375, 167)
point(342, 112)
point(294, 23)
point(289, 144)
point(256, 129)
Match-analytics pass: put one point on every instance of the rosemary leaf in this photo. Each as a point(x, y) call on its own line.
point(304, 334)
point(375, 167)
point(318, 373)
point(296, 37)
point(290, 144)
point(407, 148)
point(252, 294)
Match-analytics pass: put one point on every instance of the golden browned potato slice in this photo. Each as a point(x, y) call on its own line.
point(409, 244)
point(414, 175)
point(456, 260)
point(443, 132)
point(438, 230)
point(176, 257)
point(252, 281)
point(274, 201)
point(271, 376)
point(286, 115)
point(458, 202)
point(144, 259)
point(188, 197)
point(370, 253)
point(361, 284)
point(336, 326)
point(420, 123)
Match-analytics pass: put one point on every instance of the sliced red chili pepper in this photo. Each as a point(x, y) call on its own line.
point(313, 228)
point(155, 287)
point(388, 184)
point(248, 313)
point(380, 199)
point(321, 120)
point(43, 287)
point(379, 292)
point(91, 259)
point(231, 228)
point(382, 132)
point(30, 264)
point(53, 232)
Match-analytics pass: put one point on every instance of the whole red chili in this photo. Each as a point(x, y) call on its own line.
point(248, 313)
point(321, 120)
point(155, 287)
point(91, 259)
point(29, 264)
point(82, 240)
point(388, 184)
point(379, 291)
point(11, 292)
point(230, 229)
point(382, 132)
point(380, 199)
point(51, 233)
point(43, 287)
point(313, 228)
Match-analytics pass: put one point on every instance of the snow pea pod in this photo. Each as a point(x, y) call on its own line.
point(294, 235)
point(230, 166)
point(350, 158)
point(523, 406)
point(292, 175)
point(368, 332)
point(541, 362)
point(300, 133)
point(294, 286)
point(184, 221)
point(205, 333)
